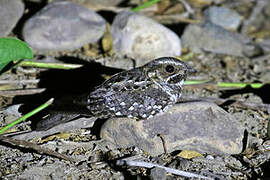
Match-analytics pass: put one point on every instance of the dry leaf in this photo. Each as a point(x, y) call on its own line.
point(187, 154)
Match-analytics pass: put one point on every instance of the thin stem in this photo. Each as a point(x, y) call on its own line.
point(151, 165)
point(144, 5)
point(26, 116)
point(49, 65)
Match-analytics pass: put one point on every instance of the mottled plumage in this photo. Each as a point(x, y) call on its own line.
point(140, 92)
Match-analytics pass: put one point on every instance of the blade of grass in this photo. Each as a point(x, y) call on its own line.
point(239, 85)
point(144, 5)
point(26, 116)
point(191, 82)
point(225, 84)
point(49, 65)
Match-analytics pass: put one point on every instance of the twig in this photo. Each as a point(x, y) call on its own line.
point(37, 148)
point(24, 81)
point(175, 18)
point(21, 92)
point(122, 162)
point(187, 6)
point(254, 14)
point(163, 143)
point(114, 9)
point(49, 65)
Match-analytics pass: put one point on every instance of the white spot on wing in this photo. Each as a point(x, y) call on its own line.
point(149, 107)
point(118, 113)
point(150, 116)
point(112, 108)
point(144, 116)
point(131, 108)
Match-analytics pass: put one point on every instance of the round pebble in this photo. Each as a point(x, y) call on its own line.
point(224, 17)
point(63, 25)
point(209, 37)
point(140, 37)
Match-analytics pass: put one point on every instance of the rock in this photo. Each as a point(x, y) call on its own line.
point(72, 125)
point(142, 38)
point(197, 126)
point(10, 13)
point(10, 113)
point(213, 38)
point(224, 17)
point(63, 25)
point(116, 61)
point(57, 170)
point(158, 173)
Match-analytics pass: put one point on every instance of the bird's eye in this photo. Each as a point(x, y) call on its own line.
point(169, 69)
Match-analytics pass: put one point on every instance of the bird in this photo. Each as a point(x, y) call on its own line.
point(139, 93)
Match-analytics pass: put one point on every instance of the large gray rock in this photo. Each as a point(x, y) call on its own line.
point(199, 126)
point(224, 17)
point(140, 37)
point(10, 13)
point(63, 26)
point(213, 38)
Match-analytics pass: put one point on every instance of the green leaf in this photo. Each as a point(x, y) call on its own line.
point(12, 49)
point(145, 5)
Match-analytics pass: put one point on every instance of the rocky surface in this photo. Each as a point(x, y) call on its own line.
point(142, 38)
point(218, 61)
point(63, 26)
point(10, 13)
point(224, 17)
point(199, 126)
point(209, 37)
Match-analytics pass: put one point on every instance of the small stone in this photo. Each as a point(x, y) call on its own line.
point(142, 38)
point(63, 25)
point(10, 13)
point(158, 173)
point(224, 17)
point(71, 125)
point(209, 37)
point(199, 126)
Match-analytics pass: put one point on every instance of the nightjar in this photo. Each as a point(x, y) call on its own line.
point(137, 93)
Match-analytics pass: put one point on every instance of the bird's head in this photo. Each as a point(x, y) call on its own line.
point(168, 73)
point(168, 70)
